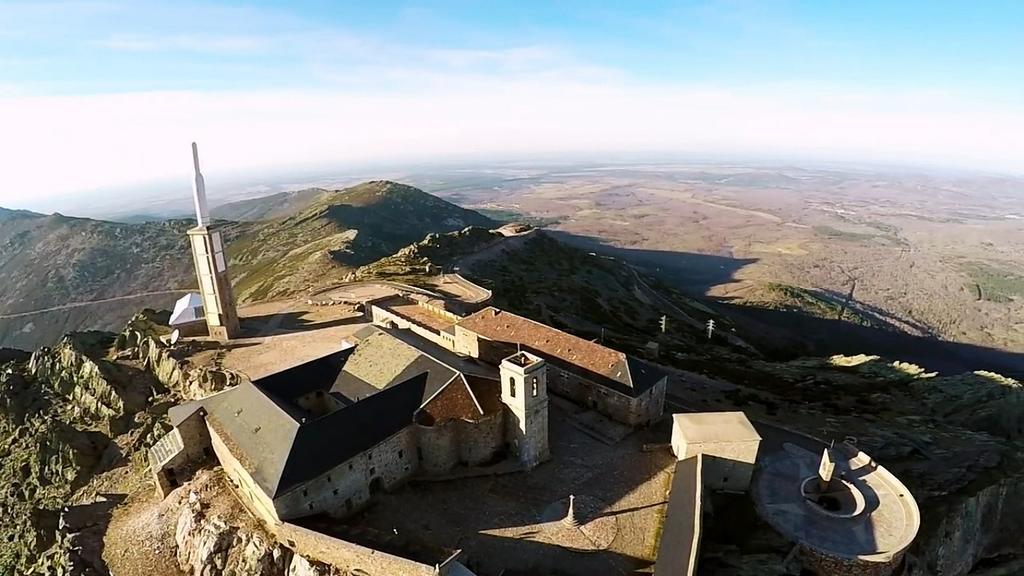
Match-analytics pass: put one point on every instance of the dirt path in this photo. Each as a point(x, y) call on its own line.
point(90, 303)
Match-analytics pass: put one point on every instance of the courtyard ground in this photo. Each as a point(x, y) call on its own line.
point(499, 521)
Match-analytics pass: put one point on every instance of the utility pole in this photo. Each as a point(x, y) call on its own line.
point(711, 328)
point(664, 323)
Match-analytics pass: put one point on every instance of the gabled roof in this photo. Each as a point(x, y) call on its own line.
point(341, 435)
point(603, 365)
point(281, 451)
point(381, 360)
point(317, 374)
point(257, 431)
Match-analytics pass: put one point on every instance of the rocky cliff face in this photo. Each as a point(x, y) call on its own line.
point(973, 528)
point(211, 546)
point(59, 413)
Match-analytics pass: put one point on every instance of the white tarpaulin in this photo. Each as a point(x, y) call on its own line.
point(188, 309)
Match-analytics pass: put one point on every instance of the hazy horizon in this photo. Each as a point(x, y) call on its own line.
point(107, 96)
point(172, 198)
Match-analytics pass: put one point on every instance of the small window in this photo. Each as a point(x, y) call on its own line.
point(373, 470)
point(305, 493)
point(419, 453)
point(534, 384)
point(512, 387)
point(328, 478)
point(350, 466)
point(335, 491)
point(310, 505)
point(401, 454)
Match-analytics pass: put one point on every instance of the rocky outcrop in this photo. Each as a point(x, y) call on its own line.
point(74, 375)
point(968, 530)
point(168, 366)
point(210, 546)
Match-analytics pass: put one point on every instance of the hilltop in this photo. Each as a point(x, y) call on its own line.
point(268, 207)
point(51, 261)
point(336, 232)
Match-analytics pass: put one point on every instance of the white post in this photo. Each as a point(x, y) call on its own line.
point(199, 190)
point(570, 517)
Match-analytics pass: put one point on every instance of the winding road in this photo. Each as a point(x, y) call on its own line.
point(90, 303)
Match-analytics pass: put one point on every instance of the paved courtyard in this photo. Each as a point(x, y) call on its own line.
point(499, 521)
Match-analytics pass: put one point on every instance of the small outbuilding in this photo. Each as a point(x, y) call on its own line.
point(727, 441)
point(189, 316)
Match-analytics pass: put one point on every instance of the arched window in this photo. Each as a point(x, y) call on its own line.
point(534, 384)
point(512, 387)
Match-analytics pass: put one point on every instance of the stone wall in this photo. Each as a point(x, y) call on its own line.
point(384, 317)
point(195, 452)
point(638, 411)
point(351, 558)
point(350, 485)
point(826, 565)
point(466, 342)
point(249, 493)
point(444, 446)
point(438, 449)
point(481, 440)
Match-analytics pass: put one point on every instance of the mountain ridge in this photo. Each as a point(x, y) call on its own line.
point(50, 260)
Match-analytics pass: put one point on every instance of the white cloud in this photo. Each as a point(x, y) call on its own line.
point(65, 144)
point(216, 44)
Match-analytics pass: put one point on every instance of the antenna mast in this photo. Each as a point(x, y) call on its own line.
point(199, 190)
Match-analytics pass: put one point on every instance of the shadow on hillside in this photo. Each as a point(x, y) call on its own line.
point(88, 522)
point(690, 272)
point(290, 322)
point(785, 335)
point(800, 334)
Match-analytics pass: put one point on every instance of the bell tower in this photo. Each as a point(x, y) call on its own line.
point(524, 390)
point(211, 265)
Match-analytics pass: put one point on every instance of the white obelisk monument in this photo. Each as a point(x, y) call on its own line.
point(211, 265)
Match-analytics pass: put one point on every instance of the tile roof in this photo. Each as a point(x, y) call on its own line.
point(611, 368)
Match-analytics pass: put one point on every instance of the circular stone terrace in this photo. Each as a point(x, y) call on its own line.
point(867, 514)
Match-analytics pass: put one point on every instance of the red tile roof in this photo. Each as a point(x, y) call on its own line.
point(590, 357)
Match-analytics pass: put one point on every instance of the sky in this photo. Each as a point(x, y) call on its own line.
point(101, 95)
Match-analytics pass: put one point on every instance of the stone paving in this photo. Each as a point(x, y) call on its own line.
point(500, 521)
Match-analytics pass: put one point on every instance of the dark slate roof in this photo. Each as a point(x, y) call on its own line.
point(352, 388)
point(333, 439)
point(318, 374)
point(281, 451)
point(257, 431)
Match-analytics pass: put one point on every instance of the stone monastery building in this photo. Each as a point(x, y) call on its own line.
point(329, 435)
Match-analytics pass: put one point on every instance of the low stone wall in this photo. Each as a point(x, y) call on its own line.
point(826, 565)
point(352, 558)
point(680, 536)
point(382, 317)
